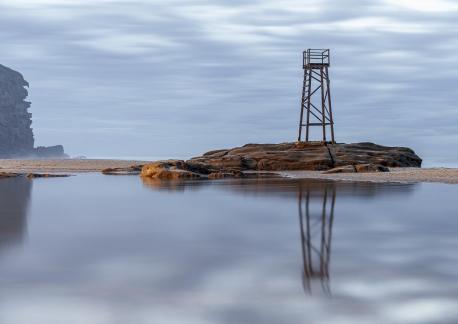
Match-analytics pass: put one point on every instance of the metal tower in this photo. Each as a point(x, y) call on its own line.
point(316, 94)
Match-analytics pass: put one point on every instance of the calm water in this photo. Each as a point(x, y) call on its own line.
point(100, 249)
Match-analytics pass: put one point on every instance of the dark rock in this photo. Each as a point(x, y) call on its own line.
point(32, 175)
point(370, 153)
point(228, 174)
point(216, 153)
point(8, 175)
point(16, 137)
point(131, 170)
point(200, 167)
point(362, 168)
point(49, 152)
point(46, 175)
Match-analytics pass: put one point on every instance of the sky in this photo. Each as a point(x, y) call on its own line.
point(169, 78)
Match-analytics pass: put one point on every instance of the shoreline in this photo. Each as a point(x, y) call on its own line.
point(441, 175)
point(396, 175)
point(63, 165)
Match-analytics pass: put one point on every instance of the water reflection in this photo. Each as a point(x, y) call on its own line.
point(284, 187)
point(315, 207)
point(14, 202)
point(315, 223)
point(230, 251)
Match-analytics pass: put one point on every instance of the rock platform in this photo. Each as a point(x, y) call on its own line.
point(356, 157)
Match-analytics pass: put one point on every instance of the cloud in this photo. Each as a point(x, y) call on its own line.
point(232, 69)
point(427, 6)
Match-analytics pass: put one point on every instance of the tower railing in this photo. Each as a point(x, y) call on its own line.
point(313, 56)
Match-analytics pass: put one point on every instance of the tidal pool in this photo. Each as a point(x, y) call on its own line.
point(113, 249)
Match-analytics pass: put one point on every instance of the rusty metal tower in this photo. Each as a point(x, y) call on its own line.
point(316, 95)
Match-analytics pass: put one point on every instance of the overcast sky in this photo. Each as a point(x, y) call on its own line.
point(169, 78)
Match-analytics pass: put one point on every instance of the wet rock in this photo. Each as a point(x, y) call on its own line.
point(341, 169)
point(131, 170)
point(170, 169)
point(239, 161)
point(358, 168)
point(363, 168)
point(46, 175)
point(228, 174)
point(32, 175)
point(8, 175)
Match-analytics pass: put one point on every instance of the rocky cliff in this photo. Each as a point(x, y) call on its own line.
point(16, 135)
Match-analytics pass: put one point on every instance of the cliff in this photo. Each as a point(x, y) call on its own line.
point(16, 135)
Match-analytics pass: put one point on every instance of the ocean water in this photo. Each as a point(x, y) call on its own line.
point(114, 249)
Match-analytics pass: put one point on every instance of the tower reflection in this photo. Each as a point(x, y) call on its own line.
point(316, 216)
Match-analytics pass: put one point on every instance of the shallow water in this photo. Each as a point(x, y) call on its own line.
point(112, 249)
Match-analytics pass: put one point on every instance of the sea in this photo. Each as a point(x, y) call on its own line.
point(99, 249)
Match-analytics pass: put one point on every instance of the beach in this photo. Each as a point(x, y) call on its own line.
point(443, 175)
point(63, 165)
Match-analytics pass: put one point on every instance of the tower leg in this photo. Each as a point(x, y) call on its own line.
point(331, 120)
point(323, 103)
point(302, 106)
point(309, 98)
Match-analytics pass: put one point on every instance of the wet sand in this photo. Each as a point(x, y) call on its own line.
point(444, 175)
point(67, 165)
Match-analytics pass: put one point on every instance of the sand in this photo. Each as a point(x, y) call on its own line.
point(444, 175)
point(67, 165)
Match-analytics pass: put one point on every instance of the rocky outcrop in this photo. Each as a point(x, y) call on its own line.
point(171, 169)
point(16, 135)
point(307, 156)
point(8, 175)
point(358, 157)
point(370, 153)
point(32, 175)
point(130, 170)
point(46, 175)
point(56, 151)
